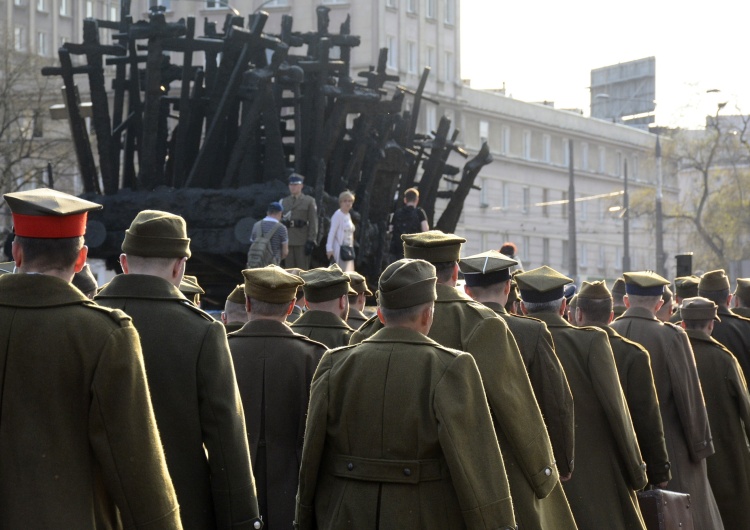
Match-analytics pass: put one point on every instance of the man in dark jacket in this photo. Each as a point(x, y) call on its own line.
point(191, 376)
point(78, 439)
point(274, 369)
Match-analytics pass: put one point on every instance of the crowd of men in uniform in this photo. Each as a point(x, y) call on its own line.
point(498, 405)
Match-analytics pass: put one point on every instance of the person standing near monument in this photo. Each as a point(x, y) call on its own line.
point(301, 219)
point(409, 219)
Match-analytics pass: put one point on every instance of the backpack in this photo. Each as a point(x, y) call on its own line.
point(260, 253)
point(405, 221)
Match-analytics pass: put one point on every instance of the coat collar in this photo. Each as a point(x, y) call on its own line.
point(496, 307)
point(399, 334)
point(553, 320)
point(265, 328)
point(446, 293)
point(142, 286)
point(638, 312)
point(38, 290)
point(320, 319)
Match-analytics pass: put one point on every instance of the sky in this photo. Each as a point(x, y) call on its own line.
point(545, 50)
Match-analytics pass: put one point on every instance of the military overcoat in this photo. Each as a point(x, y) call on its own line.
point(356, 318)
point(683, 412)
point(637, 381)
point(274, 368)
point(196, 402)
point(389, 446)
point(741, 311)
point(609, 468)
point(728, 406)
point(734, 333)
point(324, 327)
point(77, 431)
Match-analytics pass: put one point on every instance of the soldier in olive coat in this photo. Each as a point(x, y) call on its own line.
point(728, 405)
point(487, 278)
point(327, 297)
point(462, 323)
point(734, 330)
point(741, 298)
point(191, 376)
point(301, 219)
point(234, 315)
point(684, 287)
point(274, 369)
point(609, 467)
point(637, 381)
point(387, 444)
point(683, 412)
point(357, 302)
point(78, 438)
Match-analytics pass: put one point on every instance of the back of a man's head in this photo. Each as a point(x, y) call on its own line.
point(411, 196)
point(406, 290)
point(552, 306)
point(714, 285)
point(42, 255)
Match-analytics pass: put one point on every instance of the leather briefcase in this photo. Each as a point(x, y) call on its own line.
point(666, 510)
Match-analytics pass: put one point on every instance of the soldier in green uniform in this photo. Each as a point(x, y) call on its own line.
point(191, 376)
point(741, 298)
point(299, 303)
point(357, 302)
point(637, 381)
point(301, 219)
point(618, 292)
point(234, 315)
point(733, 332)
point(79, 446)
point(388, 444)
point(327, 293)
point(684, 287)
point(464, 324)
point(487, 278)
point(683, 412)
point(274, 368)
point(609, 467)
point(728, 405)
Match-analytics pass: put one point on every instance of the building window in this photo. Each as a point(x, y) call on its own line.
point(545, 251)
point(89, 8)
point(525, 251)
point(564, 204)
point(547, 147)
point(545, 207)
point(585, 156)
point(484, 131)
point(113, 13)
point(450, 11)
point(64, 7)
point(565, 251)
point(602, 263)
point(566, 152)
point(19, 38)
point(411, 57)
point(527, 145)
point(634, 170)
point(390, 3)
point(430, 8)
point(526, 200)
point(505, 145)
point(430, 59)
point(584, 209)
point(583, 258)
point(602, 160)
point(483, 193)
point(411, 6)
point(506, 196)
point(448, 67)
point(430, 119)
point(41, 5)
point(18, 3)
point(392, 46)
point(41, 44)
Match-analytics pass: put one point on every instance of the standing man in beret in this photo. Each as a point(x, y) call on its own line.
point(683, 412)
point(191, 376)
point(728, 406)
point(487, 277)
point(327, 293)
point(741, 298)
point(357, 302)
point(733, 331)
point(684, 287)
point(388, 444)
point(78, 438)
point(637, 381)
point(461, 323)
point(301, 218)
point(234, 315)
point(274, 369)
point(609, 468)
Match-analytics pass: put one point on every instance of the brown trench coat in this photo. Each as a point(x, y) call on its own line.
point(196, 401)
point(274, 368)
point(728, 405)
point(323, 327)
point(389, 446)
point(77, 431)
point(683, 412)
point(609, 467)
point(733, 332)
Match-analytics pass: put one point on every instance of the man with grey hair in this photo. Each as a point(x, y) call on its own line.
point(189, 368)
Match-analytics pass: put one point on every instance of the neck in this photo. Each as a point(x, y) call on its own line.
point(278, 318)
point(63, 274)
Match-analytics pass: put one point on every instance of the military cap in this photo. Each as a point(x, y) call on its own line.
point(189, 285)
point(7, 267)
point(433, 246)
point(513, 295)
point(407, 283)
point(543, 284)
point(698, 308)
point(358, 283)
point(618, 288)
point(275, 206)
point(667, 294)
point(271, 284)
point(48, 214)
point(595, 291)
point(686, 286)
point(569, 291)
point(743, 288)
point(573, 303)
point(714, 281)
point(237, 296)
point(296, 178)
point(644, 283)
point(487, 268)
point(85, 280)
point(323, 284)
point(156, 234)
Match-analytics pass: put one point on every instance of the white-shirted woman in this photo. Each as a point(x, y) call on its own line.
point(341, 232)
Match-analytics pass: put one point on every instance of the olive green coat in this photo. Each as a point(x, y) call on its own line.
point(461, 323)
point(741, 311)
point(196, 401)
point(77, 431)
point(323, 327)
point(637, 381)
point(388, 445)
point(683, 412)
point(733, 332)
point(231, 327)
point(356, 318)
point(609, 467)
point(274, 368)
point(728, 405)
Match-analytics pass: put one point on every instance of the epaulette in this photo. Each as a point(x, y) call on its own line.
point(117, 315)
point(195, 309)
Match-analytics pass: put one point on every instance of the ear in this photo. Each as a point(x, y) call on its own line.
point(223, 318)
point(626, 301)
point(290, 308)
point(658, 305)
point(611, 317)
point(178, 269)
point(380, 317)
point(81, 259)
point(682, 324)
point(729, 300)
point(343, 301)
point(563, 307)
point(17, 253)
point(247, 305)
point(467, 290)
point(124, 263)
point(577, 315)
point(523, 308)
point(506, 288)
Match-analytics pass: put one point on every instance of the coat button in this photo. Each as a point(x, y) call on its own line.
point(407, 471)
point(547, 471)
point(349, 466)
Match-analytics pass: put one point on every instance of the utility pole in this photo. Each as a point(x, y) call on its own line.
point(660, 269)
point(625, 221)
point(572, 245)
